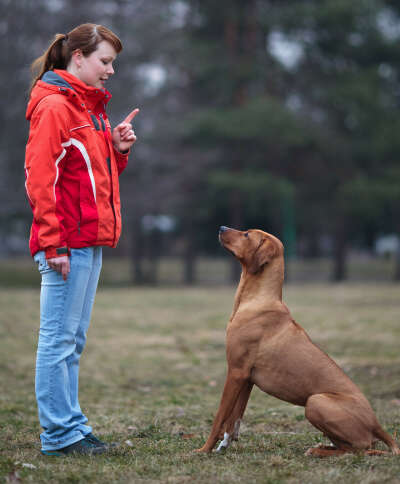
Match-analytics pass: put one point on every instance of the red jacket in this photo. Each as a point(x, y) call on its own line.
point(71, 167)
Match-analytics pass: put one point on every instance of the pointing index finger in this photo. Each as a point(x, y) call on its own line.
point(131, 115)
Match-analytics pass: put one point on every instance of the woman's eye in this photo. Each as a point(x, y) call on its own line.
point(246, 234)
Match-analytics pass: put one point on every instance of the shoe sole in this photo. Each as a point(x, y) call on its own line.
point(55, 453)
point(52, 453)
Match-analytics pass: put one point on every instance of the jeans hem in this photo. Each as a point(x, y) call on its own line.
point(64, 444)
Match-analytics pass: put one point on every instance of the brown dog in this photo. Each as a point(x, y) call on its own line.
point(266, 347)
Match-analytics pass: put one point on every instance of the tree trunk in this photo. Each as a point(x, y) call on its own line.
point(288, 231)
point(236, 222)
point(339, 272)
point(154, 246)
point(189, 273)
point(397, 265)
point(189, 255)
point(137, 251)
point(240, 38)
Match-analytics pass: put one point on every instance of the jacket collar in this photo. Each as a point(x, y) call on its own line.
point(86, 98)
point(91, 96)
point(51, 77)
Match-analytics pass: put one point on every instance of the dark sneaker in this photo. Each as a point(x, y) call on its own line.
point(94, 440)
point(82, 447)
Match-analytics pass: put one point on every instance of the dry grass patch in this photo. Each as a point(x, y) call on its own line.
point(152, 375)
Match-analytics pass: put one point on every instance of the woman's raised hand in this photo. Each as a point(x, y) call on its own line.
point(123, 135)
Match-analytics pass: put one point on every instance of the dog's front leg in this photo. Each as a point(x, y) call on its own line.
point(232, 425)
point(234, 383)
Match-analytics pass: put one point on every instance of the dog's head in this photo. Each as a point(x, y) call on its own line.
point(254, 248)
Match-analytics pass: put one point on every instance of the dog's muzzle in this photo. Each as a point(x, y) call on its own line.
point(222, 231)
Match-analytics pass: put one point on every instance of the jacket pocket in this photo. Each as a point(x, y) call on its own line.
point(87, 205)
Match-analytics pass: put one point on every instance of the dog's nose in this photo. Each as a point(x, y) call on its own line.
point(223, 228)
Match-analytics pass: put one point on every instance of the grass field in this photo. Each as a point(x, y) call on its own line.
point(117, 271)
point(152, 375)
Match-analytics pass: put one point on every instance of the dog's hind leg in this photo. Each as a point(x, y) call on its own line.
point(325, 451)
point(348, 421)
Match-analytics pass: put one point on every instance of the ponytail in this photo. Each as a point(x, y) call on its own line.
point(55, 57)
point(85, 38)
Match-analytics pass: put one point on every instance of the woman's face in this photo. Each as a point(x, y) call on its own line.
point(97, 67)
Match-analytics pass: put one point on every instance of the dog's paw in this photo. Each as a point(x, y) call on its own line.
point(202, 450)
point(225, 443)
point(221, 450)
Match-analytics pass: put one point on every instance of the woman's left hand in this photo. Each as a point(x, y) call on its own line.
point(123, 135)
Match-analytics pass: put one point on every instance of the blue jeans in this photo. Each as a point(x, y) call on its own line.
point(65, 309)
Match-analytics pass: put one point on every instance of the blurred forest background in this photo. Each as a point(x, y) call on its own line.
point(280, 115)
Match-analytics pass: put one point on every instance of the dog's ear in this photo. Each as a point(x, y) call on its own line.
point(261, 256)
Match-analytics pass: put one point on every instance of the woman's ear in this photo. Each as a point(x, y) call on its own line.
point(263, 255)
point(76, 57)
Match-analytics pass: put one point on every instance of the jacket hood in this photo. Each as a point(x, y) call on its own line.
point(62, 82)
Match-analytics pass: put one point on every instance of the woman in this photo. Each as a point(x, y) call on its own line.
point(72, 164)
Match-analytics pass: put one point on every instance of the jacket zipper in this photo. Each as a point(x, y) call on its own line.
point(108, 159)
point(106, 138)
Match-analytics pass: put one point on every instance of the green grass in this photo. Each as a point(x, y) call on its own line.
point(152, 375)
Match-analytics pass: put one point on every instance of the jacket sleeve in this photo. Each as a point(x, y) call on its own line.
point(121, 159)
point(44, 161)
